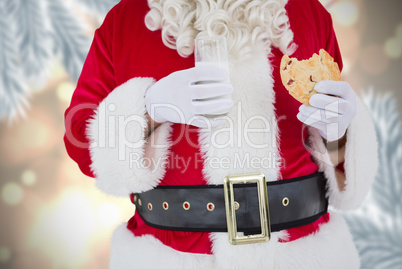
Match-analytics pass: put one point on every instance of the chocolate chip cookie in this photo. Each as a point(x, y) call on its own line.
point(300, 77)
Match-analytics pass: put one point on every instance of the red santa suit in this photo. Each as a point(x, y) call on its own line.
point(105, 135)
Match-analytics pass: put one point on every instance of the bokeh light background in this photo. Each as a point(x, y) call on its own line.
point(52, 216)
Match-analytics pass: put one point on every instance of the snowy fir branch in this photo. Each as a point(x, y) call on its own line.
point(99, 7)
point(388, 184)
point(33, 32)
point(379, 245)
point(69, 40)
point(34, 36)
point(377, 226)
point(13, 92)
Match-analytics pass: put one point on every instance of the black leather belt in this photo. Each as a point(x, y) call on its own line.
point(202, 208)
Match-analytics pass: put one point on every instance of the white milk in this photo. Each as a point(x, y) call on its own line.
point(225, 66)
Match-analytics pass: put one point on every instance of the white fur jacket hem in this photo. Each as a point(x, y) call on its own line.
point(316, 251)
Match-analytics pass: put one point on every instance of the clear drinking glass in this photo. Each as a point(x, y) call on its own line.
point(212, 52)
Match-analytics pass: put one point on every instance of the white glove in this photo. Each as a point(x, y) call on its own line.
point(330, 115)
point(185, 96)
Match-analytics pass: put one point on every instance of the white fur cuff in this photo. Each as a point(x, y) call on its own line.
point(119, 149)
point(361, 161)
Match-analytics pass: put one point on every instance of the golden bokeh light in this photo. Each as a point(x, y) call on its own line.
point(345, 13)
point(393, 47)
point(65, 91)
point(5, 254)
point(12, 193)
point(109, 214)
point(63, 229)
point(66, 229)
point(28, 177)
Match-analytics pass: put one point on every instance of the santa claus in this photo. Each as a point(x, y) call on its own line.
point(136, 123)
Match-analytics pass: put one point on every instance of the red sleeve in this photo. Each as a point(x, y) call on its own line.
point(95, 83)
point(313, 29)
point(332, 46)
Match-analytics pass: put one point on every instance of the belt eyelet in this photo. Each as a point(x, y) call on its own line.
point(186, 205)
point(285, 201)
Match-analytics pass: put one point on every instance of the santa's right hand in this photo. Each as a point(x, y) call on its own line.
point(187, 96)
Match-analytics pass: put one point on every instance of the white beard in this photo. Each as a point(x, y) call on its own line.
point(249, 26)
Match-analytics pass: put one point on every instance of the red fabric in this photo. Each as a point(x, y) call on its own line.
point(341, 167)
point(123, 48)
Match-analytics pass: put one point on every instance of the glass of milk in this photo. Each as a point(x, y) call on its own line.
point(212, 52)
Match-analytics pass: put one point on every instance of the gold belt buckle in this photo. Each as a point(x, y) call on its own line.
point(265, 234)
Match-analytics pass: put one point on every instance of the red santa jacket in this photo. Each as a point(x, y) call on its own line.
point(105, 122)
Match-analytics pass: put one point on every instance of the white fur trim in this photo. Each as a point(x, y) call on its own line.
point(253, 108)
point(361, 160)
point(128, 252)
point(254, 100)
point(330, 248)
point(123, 160)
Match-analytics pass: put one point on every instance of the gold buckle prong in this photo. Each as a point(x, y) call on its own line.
point(265, 234)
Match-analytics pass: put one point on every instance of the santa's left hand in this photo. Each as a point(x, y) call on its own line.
point(330, 115)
